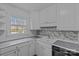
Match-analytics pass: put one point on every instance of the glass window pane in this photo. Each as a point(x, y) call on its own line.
point(17, 25)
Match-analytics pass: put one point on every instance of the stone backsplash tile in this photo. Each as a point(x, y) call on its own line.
point(70, 35)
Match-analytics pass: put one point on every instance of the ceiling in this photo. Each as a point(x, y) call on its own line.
point(31, 6)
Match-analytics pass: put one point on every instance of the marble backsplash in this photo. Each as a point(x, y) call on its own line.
point(68, 35)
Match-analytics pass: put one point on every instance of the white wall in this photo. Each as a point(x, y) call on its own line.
point(34, 20)
point(15, 12)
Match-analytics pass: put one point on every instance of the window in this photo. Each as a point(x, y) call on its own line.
point(17, 25)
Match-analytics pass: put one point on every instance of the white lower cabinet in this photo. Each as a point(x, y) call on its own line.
point(43, 49)
point(31, 48)
point(26, 49)
point(22, 49)
point(11, 53)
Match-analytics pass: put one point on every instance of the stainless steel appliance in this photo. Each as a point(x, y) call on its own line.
point(62, 48)
point(58, 51)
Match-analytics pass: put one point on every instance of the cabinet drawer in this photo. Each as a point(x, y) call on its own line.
point(7, 49)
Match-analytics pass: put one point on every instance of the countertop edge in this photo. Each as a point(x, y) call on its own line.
point(15, 42)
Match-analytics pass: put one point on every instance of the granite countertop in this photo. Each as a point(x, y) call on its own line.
point(63, 44)
point(66, 45)
point(14, 42)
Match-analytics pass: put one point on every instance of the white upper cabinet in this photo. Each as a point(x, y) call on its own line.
point(77, 17)
point(48, 16)
point(66, 19)
point(34, 20)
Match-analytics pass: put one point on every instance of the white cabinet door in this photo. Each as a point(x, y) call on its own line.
point(26, 49)
point(39, 49)
point(23, 49)
point(11, 50)
point(48, 16)
point(66, 16)
point(34, 20)
point(42, 49)
point(12, 53)
point(31, 48)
